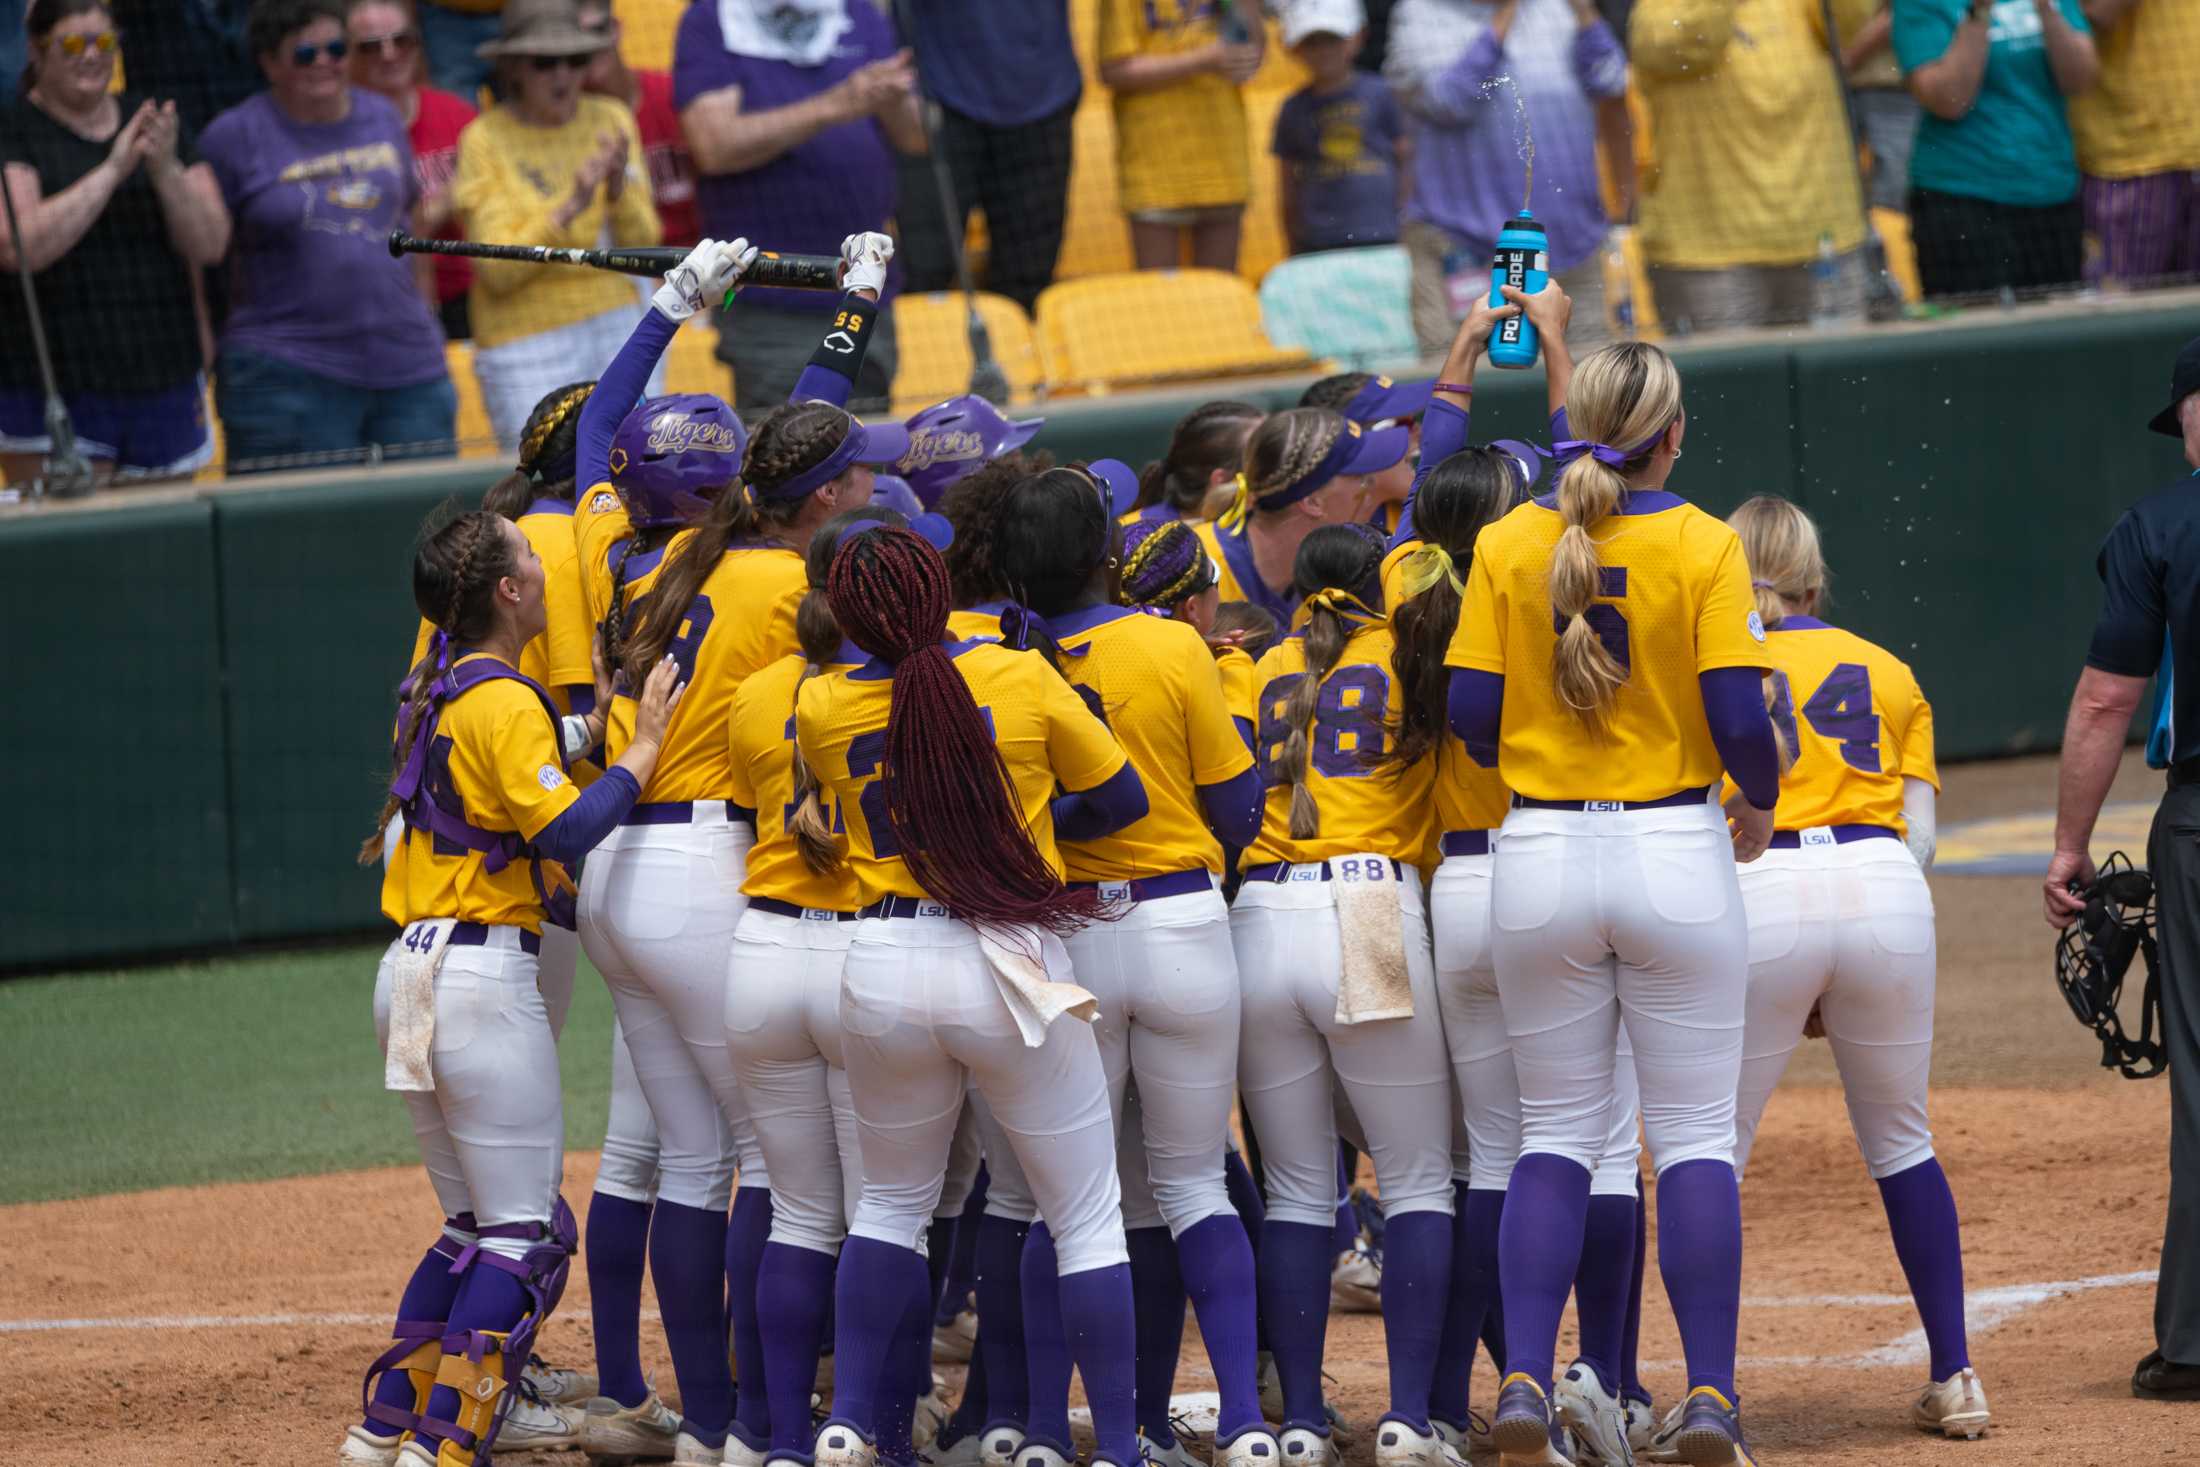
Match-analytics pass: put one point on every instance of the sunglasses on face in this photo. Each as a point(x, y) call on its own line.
point(395, 44)
point(553, 63)
point(76, 44)
point(303, 55)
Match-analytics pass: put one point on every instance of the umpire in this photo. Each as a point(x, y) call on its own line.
point(2149, 624)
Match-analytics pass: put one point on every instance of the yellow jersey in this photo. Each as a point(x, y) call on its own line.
point(1855, 712)
point(1234, 666)
point(601, 532)
point(1674, 602)
point(1153, 682)
point(762, 750)
point(980, 623)
point(1384, 812)
point(558, 659)
point(1237, 579)
point(495, 763)
point(1045, 734)
point(1157, 165)
point(1394, 573)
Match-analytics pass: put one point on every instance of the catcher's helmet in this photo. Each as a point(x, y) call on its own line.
point(2096, 951)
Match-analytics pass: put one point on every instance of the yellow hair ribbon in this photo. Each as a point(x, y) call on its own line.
point(1342, 603)
point(1427, 565)
point(1241, 504)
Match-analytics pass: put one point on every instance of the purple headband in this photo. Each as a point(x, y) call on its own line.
point(1350, 443)
point(1176, 554)
point(1604, 453)
point(874, 444)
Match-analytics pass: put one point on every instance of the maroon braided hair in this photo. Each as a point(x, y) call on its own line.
point(948, 792)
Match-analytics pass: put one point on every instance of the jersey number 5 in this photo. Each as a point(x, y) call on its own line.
point(1840, 712)
point(1605, 620)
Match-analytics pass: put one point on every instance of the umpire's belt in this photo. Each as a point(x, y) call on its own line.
point(1153, 888)
point(1280, 871)
point(1698, 796)
point(1828, 835)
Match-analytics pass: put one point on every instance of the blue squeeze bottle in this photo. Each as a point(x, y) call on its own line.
point(1522, 261)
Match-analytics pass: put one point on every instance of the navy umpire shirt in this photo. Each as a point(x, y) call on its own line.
point(2150, 613)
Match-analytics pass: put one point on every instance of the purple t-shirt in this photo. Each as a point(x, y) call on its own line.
point(1342, 150)
point(312, 282)
point(811, 197)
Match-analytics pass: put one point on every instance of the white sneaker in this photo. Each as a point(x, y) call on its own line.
point(998, 1445)
point(840, 1445)
point(1595, 1417)
point(1356, 1282)
point(362, 1448)
point(954, 1341)
point(687, 1451)
point(1954, 1407)
point(1254, 1447)
point(1175, 1454)
point(558, 1386)
point(1303, 1448)
point(534, 1426)
point(1642, 1424)
point(617, 1436)
point(413, 1454)
point(1397, 1444)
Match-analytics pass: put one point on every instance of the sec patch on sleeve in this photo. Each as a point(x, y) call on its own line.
point(604, 502)
point(1756, 626)
point(550, 776)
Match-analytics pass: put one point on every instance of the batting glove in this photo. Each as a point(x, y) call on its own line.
point(863, 260)
point(710, 270)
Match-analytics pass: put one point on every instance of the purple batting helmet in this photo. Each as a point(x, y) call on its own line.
point(951, 438)
point(672, 454)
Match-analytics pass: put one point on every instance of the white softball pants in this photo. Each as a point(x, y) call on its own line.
point(628, 1167)
point(1850, 929)
point(659, 905)
point(782, 1025)
point(492, 1132)
point(1292, 1050)
point(1007, 1189)
point(1605, 919)
point(1165, 974)
point(921, 1019)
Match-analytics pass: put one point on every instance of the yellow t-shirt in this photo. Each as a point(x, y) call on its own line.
point(558, 659)
point(511, 179)
point(1383, 812)
point(2132, 122)
point(1855, 711)
point(762, 749)
point(1153, 682)
point(1753, 152)
point(1045, 734)
point(495, 756)
point(1675, 603)
point(1180, 146)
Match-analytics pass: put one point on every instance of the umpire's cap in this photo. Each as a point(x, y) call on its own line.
point(2184, 381)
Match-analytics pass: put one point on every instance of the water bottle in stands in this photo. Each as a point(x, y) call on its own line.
point(1523, 261)
point(1825, 272)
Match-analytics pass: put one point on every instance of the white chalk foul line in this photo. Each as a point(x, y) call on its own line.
point(224, 1321)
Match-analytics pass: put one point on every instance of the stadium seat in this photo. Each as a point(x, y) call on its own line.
point(476, 439)
point(1353, 305)
point(1894, 233)
point(933, 343)
point(1154, 326)
point(1096, 238)
point(646, 31)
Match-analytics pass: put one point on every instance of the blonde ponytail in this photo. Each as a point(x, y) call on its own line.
point(1787, 565)
point(811, 823)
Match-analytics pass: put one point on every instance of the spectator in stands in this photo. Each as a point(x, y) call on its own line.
point(1473, 77)
point(550, 165)
point(454, 31)
point(115, 212)
point(14, 57)
point(1181, 165)
point(1886, 113)
point(794, 110)
point(193, 51)
point(1755, 217)
point(1007, 83)
point(385, 58)
point(648, 95)
point(1993, 177)
point(1341, 138)
point(330, 348)
point(2138, 138)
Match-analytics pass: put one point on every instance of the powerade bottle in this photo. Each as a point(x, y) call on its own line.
point(1522, 261)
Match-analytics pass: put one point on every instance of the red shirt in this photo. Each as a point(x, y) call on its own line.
point(434, 134)
point(671, 170)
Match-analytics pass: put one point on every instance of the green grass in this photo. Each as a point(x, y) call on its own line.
point(238, 1069)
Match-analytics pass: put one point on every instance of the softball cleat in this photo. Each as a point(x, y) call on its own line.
point(1302, 1446)
point(967, 1450)
point(536, 1426)
point(1000, 1444)
point(1175, 1454)
point(1525, 1432)
point(558, 1386)
point(1595, 1417)
point(1471, 1440)
point(362, 1448)
point(1256, 1446)
point(1642, 1422)
point(954, 1341)
point(618, 1436)
point(841, 1445)
point(1710, 1432)
point(1038, 1453)
point(1954, 1407)
point(1398, 1443)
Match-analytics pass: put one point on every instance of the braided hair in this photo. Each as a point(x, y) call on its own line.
point(1336, 391)
point(1208, 439)
point(1163, 563)
point(1347, 558)
point(456, 569)
point(948, 792)
point(1285, 449)
point(973, 505)
point(549, 446)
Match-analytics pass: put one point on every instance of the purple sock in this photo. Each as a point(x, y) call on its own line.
point(1475, 1216)
point(1921, 1213)
point(1157, 1299)
point(975, 1408)
point(939, 1260)
point(427, 1298)
point(908, 1376)
point(1294, 1300)
point(687, 1257)
point(1103, 1339)
point(877, 1285)
point(1001, 1319)
point(1493, 1327)
point(1348, 1221)
point(1538, 1248)
point(1602, 1282)
point(792, 1288)
point(1700, 1256)
point(1630, 1365)
point(1252, 1215)
point(1046, 1340)
point(1416, 1294)
point(488, 1299)
point(617, 1247)
point(962, 1271)
point(1217, 1260)
point(746, 1232)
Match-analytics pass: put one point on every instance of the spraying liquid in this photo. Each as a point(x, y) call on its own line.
point(1522, 259)
point(1526, 145)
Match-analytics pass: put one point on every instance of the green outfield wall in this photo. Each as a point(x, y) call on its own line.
point(200, 682)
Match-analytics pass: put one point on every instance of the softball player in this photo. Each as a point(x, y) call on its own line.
point(490, 816)
point(1377, 402)
point(1163, 972)
point(1205, 455)
point(1613, 615)
point(1841, 923)
point(1304, 468)
point(952, 439)
point(1332, 947)
point(943, 759)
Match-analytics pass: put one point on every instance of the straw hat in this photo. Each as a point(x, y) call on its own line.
point(543, 28)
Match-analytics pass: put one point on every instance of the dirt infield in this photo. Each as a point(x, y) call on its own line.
point(230, 1324)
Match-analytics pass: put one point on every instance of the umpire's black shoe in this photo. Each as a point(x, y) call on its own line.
point(2157, 1379)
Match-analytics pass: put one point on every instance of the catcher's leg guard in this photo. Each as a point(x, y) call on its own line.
point(419, 1347)
point(481, 1365)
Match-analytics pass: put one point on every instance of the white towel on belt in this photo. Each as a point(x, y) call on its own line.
point(405, 1065)
point(1037, 990)
point(1373, 982)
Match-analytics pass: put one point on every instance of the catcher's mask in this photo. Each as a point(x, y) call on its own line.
point(2093, 956)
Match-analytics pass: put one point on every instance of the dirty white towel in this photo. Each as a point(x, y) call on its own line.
point(1037, 990)
point(1372, 982)
point(405, 1064)
point(799, 32)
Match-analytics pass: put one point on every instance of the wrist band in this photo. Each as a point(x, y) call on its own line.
point(841, 352)
point(1464, 389)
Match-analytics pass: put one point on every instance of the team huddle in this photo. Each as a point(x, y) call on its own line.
point(962, 846)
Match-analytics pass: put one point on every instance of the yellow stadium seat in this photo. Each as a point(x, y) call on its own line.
point(692, 365)
point(646, 31)
point(933, 342)
point(1154, 326)
point(1894, 233)
point(476, 439)
point(1096, 238)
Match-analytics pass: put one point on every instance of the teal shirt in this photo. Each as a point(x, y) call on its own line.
point(2013, 146)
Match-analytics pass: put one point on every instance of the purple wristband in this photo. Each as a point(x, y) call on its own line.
point(1464, 389)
